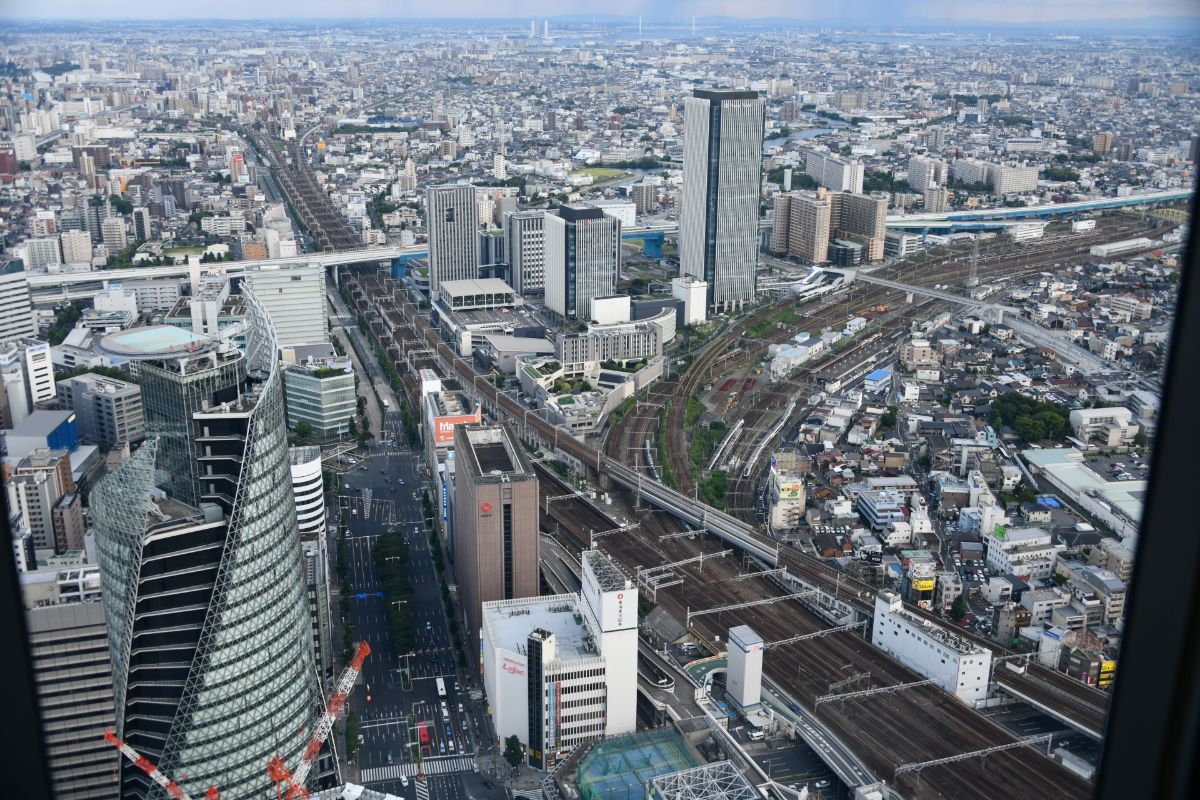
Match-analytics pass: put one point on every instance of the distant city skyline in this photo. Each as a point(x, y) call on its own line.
point(882, 13)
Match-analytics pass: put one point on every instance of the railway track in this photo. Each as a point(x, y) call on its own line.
point(911, 726)
point(1037, 776)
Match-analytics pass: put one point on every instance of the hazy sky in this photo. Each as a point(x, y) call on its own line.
point(880, 12)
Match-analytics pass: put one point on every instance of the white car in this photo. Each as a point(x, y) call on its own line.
point(403, 780)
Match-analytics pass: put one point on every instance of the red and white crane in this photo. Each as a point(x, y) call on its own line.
point(294, 781)
point(147, 766)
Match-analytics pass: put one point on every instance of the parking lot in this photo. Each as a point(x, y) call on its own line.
point(1129, 466)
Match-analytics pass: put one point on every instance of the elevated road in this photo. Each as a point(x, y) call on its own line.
point(1064, 349)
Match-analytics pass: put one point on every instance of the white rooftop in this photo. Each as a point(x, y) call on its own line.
point(511, 622)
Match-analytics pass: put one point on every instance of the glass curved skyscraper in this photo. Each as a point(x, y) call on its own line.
point(204, 586)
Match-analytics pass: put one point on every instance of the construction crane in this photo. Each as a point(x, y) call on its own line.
point(294, 781)
point(147, 766)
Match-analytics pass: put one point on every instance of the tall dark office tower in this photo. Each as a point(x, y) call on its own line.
point(583, 259)
point(722, 178)
point(452, 219)
point(203, 584)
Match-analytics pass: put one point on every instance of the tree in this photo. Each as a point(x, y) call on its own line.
point(353, 731)
point(959, 609)
point(514, 751)
point(1140, 439)
point(353, 427)
point(303, 429)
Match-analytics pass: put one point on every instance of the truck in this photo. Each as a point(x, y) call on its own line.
point(386, 403)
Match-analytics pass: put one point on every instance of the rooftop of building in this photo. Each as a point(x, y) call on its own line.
point(156, 341)
point(940, 634)
point(577, 212)
point(304, 455)
point(41, 423)
point(512, 621)
point(608, 575)
point(492, 450)
point(475, 286)
point(621, 767)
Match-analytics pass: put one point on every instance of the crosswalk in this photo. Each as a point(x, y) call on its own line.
point(422, 790)
point(434, 766)
point(527, 794)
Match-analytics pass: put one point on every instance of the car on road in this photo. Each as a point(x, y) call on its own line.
point(822, 784)
point(404, 780)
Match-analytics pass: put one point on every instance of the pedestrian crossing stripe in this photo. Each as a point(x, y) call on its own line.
point(527, 794)
point(438, 766)
point(422, 790)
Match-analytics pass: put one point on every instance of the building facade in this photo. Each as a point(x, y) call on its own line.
point(802, 226)
point(294, 296)
point(221, 676)
point(525, 245)
point(321, 393)
point(68, 649)
point(560, 671)
point(958, 665)
point(583, 259)
point(452, 220)
point(108, 410)
point(16, 303)
point(722, 170)
point(495, 520)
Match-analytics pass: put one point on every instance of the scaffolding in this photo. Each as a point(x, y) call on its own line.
point(719, 781)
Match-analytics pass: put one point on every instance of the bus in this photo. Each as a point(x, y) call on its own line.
point(441, 684)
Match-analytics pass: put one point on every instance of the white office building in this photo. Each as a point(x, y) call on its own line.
point(957, 664)
point(575, 655)
point(452, 220)
point(525, 243)
point(583, 259)
point(1024, 552)
point(294, 296)
point(745, 657)
point(16, 304)
point(694, 294)
point(308, 490)
point(718, 224)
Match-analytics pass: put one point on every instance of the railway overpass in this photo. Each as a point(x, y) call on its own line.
point(1086, 703)
point(62, 286)
point(1064, 349)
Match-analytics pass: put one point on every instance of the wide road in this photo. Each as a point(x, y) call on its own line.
point(379, 494)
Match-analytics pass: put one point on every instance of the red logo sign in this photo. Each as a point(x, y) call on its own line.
point(621, 596)
point(485, 507)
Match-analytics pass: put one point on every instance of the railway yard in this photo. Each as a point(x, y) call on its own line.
point(886, 730)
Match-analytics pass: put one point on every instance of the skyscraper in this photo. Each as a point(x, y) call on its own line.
point(452, 219)
point(722, 175)
point(495, 520)
point(525, 242)
point(583, 259)
point(204, 585)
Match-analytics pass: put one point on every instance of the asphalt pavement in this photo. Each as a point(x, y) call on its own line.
point(378, 494)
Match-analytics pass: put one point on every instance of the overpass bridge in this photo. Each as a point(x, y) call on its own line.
point(960, 220)
point(63, 286)
point(1064, 349)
